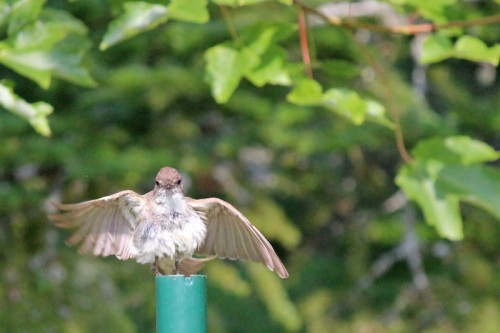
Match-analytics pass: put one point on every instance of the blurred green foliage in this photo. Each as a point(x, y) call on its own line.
point(312, 163)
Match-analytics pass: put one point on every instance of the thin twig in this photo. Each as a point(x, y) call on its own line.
point(304, 46)
point(229, 22)
point(411, 29)
point(398, 131)
point(391, 106)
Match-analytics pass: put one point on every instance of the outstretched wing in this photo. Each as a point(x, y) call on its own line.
point(104, 226)
point(230, 235)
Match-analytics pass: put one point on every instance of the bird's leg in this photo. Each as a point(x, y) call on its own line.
point(176, 267)
point(154, 268)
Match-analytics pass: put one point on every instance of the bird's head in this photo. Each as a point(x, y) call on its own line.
point(168, 181)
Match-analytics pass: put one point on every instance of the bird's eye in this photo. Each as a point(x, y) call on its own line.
point(179, 181)
point(157, 183)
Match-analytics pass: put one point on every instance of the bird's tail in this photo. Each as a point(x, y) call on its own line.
point(191, 266)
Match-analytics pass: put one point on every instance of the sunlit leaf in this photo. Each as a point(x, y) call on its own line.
point(4, 13)
point(189, 10)
point(237, 3)
point(22, 12)
point(474, 49)
point(306, 92)
point(255, 57)
point(350, 105)
point(259, 39)
point(441, 209)
point(442, 175)
point(271, 69)
point(346, 103)
point(54, 45)
point(434, 10)
point(376, 113)
point(438, 47)
point(455, 149)
point(36, 113)
point(35, 65)
point(225, 68)
point(137, 17)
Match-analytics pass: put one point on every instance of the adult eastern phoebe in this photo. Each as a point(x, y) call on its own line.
point(165, 228)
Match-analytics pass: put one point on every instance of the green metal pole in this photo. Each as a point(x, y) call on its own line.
point(181, 304)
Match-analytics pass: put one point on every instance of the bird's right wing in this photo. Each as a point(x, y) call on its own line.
point(104, 226)
point(230, 235)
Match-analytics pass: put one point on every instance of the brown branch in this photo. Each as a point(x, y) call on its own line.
point(391, 106)
point(411, 29)
point(398, 131)
point(304, 45)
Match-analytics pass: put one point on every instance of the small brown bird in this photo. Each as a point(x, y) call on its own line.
point(165, 229)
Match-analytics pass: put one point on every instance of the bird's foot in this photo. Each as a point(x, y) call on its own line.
point(155, 269)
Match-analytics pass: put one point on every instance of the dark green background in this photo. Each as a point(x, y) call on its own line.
point(315, 184)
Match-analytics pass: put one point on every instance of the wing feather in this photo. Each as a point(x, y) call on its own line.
point(230, 235)
point(103, 226)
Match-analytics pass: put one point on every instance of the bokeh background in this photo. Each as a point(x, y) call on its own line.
point(360, 256)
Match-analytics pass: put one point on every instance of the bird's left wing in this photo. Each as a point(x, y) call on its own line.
point(104, 226)
point(230, 235)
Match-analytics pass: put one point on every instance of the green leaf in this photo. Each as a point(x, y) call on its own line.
point(67, 57)
point(475, 184)
point(271, 69)
point(237, 3)
point(376, 113)
point(455, 150)
point(22, 12)
point(438, 47)
point(346, 103)
point(474, 49)
point(255, 57)
point(306, 92)
point(434, 10)
point(444, 173)
point(42, 49)
point(32, 64)
point(350, 105)
point(225, 68)
point(137, 17)
point(36, 113)
point(440, 208)
point(4, 13)
point(259, 39)
point(189, 10)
